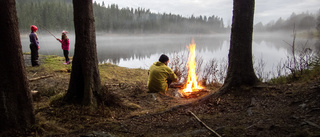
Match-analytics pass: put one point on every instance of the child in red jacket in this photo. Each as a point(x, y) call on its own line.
point(65, 46)
point(34, 46)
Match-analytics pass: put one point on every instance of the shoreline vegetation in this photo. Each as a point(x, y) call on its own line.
point(289, 108)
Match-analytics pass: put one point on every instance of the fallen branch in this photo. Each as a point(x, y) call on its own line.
point(112, 84)
point(312, 124)
point(41, 77)
point(34, 74)
point(204, 124)
point(253, 124)
point(252, 104)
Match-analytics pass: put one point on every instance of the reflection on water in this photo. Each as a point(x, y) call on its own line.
point(140, 51)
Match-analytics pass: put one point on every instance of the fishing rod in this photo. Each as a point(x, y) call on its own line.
point(47, 30)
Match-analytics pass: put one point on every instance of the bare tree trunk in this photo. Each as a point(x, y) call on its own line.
point(85, 77)
point(16, 110)
point(240, 69)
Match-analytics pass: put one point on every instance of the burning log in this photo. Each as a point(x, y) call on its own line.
point(192, 88)
point(195, 93)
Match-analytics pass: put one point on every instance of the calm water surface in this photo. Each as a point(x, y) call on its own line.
point(140, 51)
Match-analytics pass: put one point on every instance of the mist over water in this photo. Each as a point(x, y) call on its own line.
point(140, 51)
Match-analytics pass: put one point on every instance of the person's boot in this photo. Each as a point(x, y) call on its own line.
point(34, 63)
point(66, 63)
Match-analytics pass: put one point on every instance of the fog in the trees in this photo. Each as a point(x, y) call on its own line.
point(135, 38)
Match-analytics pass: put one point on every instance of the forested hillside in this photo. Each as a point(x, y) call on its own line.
point(303, 21)
point(58, 15)
point(55, 15)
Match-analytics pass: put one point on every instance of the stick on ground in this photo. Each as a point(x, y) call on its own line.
point(204, 124)
point(41, 77)
point(312, 124)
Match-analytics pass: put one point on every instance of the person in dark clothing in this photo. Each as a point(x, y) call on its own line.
point(34, 46)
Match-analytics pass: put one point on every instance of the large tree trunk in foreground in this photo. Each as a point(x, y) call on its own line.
point(85, 77)
point(16, 110)
point(240, 69)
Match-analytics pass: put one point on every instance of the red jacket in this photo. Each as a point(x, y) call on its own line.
point(64, 44)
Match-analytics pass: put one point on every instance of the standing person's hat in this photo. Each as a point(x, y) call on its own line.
point(33, 28)
point(64, 32)
point(163, 58)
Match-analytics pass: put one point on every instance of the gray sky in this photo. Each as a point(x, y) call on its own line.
point(265, 10)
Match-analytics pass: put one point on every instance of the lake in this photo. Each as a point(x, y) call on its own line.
point(141, 50)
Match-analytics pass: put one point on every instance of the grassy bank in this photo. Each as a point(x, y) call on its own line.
point(109, 73)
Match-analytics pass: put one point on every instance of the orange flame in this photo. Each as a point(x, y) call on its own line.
point(192, 83)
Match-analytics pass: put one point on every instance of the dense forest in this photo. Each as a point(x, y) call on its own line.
point(58, 14)
point(111, 18)
point(54, 15)
point(304, 21)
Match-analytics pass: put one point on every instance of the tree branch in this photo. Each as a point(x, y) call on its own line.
point(204, 124)
point(41, 77)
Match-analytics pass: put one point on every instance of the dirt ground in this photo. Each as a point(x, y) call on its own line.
point(265, 110)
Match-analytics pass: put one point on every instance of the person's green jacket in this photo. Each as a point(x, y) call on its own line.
point(158, 75)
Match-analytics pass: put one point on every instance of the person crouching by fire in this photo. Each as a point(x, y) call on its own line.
point(160, 75)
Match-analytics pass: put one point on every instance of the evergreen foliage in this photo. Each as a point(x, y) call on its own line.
point(304, 21)
point(58, 15)
point(318, 21)
point(54, 15)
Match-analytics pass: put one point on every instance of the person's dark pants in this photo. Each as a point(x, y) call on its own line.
point(66, 55)
point(169, 81)
point(34, 55)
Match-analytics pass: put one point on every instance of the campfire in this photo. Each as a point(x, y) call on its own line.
point(192, 87)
